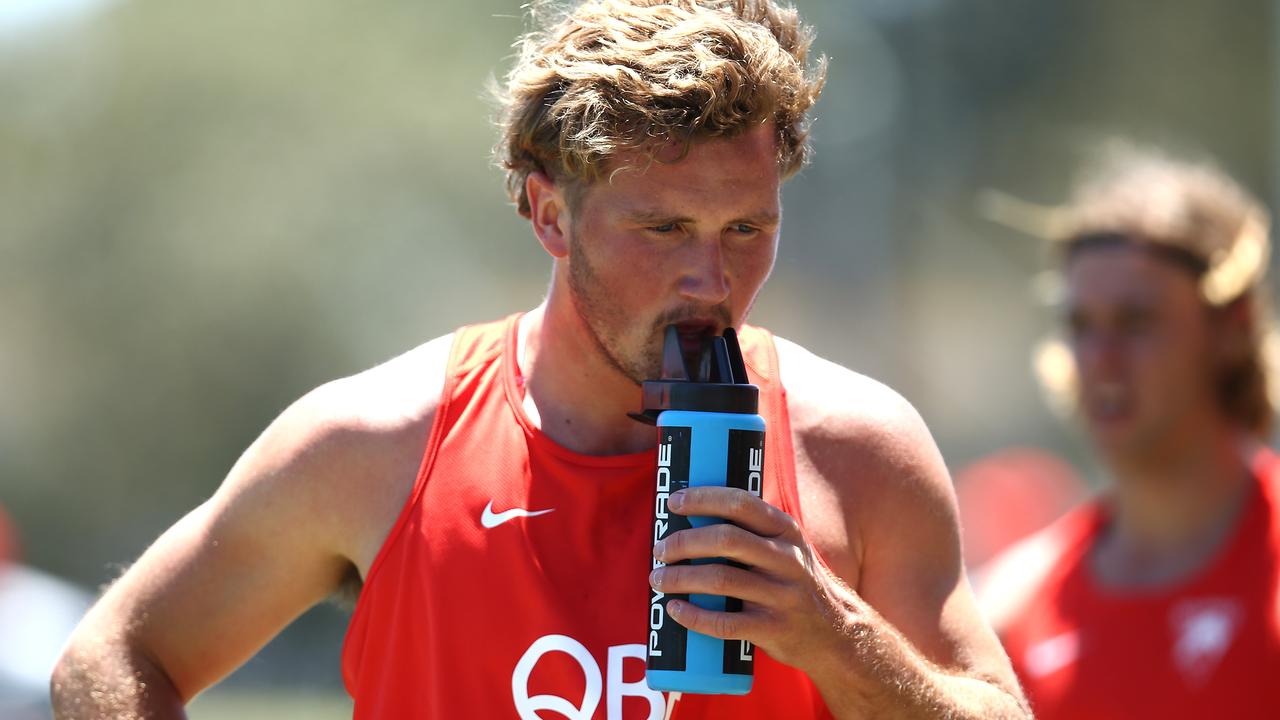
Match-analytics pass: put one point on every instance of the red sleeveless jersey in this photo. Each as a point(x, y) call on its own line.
point(1209, 648)
point(515, 582)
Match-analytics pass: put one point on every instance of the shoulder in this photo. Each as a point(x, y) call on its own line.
point(1008, 584)
point(344, 456)
point(845, 419)
point(881, 509)
point(311, 499)
point(400, 392)
point(863, 446)
point(377, 404)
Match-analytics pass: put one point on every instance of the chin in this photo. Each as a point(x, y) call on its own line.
point(1126, 445)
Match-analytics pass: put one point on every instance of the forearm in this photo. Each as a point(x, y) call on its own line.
point(104, 678)
point(875, 672)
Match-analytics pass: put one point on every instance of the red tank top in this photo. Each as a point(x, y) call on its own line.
point(1209, 648)
point(515, 582)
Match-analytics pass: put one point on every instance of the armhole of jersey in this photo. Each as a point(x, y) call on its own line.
point(435, 436)
point(784, 461)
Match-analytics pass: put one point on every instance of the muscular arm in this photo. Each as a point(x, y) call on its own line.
point(306, 506)
point(870, 600)
point(915, 643)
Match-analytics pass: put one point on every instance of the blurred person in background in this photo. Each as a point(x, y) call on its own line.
point(8, 539)
point(1009, 494)
point(1158, 598)
point(37, 614)
point(491, 497)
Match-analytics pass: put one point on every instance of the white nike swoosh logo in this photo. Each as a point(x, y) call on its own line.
point(491, 520)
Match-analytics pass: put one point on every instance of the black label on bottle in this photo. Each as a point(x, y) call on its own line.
point(668, 639)
point(745, 471)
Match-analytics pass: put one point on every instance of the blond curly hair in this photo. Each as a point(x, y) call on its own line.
point(615, 76)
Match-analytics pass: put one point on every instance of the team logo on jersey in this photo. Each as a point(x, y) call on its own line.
point(1203, 630)
point(610, 683)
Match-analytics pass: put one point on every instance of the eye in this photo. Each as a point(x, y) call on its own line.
point(664, 228)
point(745, 229)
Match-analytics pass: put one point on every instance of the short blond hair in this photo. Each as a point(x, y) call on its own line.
point(615, 76)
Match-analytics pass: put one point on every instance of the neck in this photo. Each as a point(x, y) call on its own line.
point(1171, 512)
point(574, 394)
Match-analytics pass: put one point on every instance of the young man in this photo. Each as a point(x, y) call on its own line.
point(493, 497)
point(1158, 598)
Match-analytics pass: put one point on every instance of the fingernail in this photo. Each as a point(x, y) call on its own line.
point(659, 548)
point(676, 500)
point(655, 578)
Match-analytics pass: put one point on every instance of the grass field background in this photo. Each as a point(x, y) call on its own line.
point(229, 704)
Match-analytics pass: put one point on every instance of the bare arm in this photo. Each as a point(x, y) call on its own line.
point(871, 600)
point(920, 647)
point(304, 508)
point(917, 645)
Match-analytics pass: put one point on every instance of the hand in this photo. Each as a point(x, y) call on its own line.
point(793, 606)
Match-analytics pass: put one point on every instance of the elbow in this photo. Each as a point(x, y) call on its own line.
point(102, 677)
point(68, 677)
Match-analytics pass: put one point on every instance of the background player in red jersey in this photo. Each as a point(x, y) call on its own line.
point(646, 143)
point(1158, 598)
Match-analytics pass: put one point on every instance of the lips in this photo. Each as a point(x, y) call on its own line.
point(1110, 402)
point(693, 332)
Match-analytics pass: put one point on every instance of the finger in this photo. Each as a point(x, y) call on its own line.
point(743, 625)
point(736, 505)
point(771, 555)
point(716, 579)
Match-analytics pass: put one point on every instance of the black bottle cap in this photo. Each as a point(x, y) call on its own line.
point(719, 385)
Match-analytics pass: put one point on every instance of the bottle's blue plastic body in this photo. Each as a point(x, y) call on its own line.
point(700, 449)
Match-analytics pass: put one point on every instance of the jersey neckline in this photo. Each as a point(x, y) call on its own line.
point(1220, 562)
point(512, 381)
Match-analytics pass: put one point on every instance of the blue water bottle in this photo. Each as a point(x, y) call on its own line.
point(709, 433)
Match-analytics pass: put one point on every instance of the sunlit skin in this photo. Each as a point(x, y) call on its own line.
point(1142, 339)
point(689, 243)
point(884, 625)
point(1148, 349)
point(686, 240)
point(690, 240)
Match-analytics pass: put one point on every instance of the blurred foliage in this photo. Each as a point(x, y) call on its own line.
point(207, 209)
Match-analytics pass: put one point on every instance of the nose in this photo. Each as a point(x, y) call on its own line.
point(703, 275)
point(1101, 353)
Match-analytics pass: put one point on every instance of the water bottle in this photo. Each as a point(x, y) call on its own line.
point(709, 433)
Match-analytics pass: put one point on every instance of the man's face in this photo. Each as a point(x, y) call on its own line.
point(688, 242)
point(1143, 344)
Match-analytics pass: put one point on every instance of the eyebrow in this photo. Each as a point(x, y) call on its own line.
point(761, 217)
point(1143, 303)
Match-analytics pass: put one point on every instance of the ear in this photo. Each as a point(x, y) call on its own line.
point(548, 213)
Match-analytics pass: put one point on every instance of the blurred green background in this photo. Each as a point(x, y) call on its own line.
point(207, 209)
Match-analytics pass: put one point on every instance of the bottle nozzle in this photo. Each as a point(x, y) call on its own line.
point(737, 365)
point(719, 385)
point(673, 367)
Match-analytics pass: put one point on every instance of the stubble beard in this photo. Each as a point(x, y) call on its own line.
point(602, 318)
point(605, 320)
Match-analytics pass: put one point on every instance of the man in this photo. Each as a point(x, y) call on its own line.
point(1159, 597)
point(493, 497)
